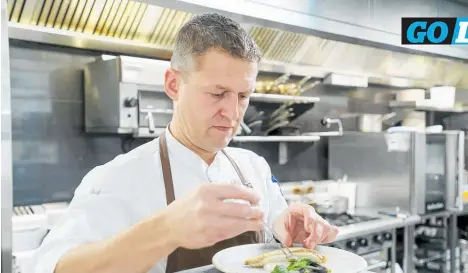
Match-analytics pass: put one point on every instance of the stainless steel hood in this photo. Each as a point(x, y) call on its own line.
point(148, 28)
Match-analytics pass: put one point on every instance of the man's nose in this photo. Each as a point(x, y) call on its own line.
point(230, 107)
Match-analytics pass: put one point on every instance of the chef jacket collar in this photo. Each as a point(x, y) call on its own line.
point(181, 153)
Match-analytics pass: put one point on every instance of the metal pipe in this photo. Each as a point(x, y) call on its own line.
point(394, 247)
point(327, 122)
point(408, 265)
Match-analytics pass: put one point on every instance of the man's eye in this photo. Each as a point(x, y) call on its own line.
point(243, 97)
point(217, 95)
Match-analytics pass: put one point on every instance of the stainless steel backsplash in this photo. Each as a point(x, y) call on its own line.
point(51, 152)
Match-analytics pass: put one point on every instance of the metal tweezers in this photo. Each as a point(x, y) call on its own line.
point(283, 247)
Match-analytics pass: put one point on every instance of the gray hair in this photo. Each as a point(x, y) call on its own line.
point(212, 31)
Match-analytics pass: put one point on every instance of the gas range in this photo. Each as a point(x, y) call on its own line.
point(344, 219)
point(361, 243)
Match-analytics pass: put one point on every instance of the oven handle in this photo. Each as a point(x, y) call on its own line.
point(151, 127)
point(430, 259)
point(375, 266)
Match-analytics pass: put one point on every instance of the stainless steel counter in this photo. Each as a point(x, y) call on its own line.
point(383, 223)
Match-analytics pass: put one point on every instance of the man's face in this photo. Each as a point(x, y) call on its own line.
point(213, 99)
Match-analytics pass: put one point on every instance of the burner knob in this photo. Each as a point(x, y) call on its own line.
point(352, 245)
point(130, 102)
point(388, 236)
point(378, 239)
point(363, 242)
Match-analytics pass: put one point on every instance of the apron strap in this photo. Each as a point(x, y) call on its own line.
point(166, 169)
point(177, 256)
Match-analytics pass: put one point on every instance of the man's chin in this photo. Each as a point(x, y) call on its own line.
point(221, 143)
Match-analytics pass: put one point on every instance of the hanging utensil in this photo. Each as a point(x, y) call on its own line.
point(258, 116)
point(276, 126)
point(246, 128)
point(309, 86)
point(266, 87)
point(255, 123)
point(280, 109)
point(284, 78)
point(281, 117)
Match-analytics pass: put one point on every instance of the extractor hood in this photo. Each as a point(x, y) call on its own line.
point(142, 28)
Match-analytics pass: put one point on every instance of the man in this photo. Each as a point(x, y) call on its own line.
point(162, 207)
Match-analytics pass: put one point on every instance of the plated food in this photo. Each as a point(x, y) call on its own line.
point(304, 261)
point(269, 258)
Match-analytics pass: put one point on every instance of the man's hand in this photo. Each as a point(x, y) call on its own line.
point(301, 224)
point(202, 218)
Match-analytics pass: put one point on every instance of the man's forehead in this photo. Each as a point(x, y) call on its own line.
point(216, 59)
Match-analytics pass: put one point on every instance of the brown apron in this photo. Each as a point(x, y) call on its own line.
point(181, 258)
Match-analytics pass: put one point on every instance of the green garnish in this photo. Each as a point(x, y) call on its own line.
point(302, 265)
point(296, 265)
point(280, 269)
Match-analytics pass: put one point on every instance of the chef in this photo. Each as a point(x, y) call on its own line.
point(164, 206)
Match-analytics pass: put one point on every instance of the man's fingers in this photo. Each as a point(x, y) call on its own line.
point(331, 236)
point(229, 191)
point(235, 227)
point(290, 227)
point(237, 210)
point(222, 227)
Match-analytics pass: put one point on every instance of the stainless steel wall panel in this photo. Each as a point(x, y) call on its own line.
point(6, 191)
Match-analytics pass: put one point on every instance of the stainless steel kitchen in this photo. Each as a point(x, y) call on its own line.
point(351, 117)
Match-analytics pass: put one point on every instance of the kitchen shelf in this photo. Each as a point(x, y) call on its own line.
point(282, 143)
point(276, 138)
point(269, 103)
point(427, 108)
point(276, 98)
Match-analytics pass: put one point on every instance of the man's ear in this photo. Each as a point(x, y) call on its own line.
point(171, 83)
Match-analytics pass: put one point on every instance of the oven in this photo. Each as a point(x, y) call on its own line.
point(126, 95)
point(365, 233)
point(414, 172)
point(376, 247)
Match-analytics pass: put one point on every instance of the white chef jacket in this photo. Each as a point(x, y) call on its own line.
point(114, 196)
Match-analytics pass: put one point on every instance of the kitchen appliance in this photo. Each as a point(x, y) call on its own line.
point(343, 219)
point(30, 225)
point(373, 122)
point(417, 172)
point(126, 95)
point(376, 247)
point(328, 203)
point(326, 196)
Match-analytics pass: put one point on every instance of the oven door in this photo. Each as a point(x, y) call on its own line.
point(445, 161)
point(456, 170)
point(436, 172)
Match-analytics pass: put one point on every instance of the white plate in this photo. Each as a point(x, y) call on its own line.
point(231, 260)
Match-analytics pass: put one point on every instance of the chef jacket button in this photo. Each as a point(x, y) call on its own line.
point(95, 191)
